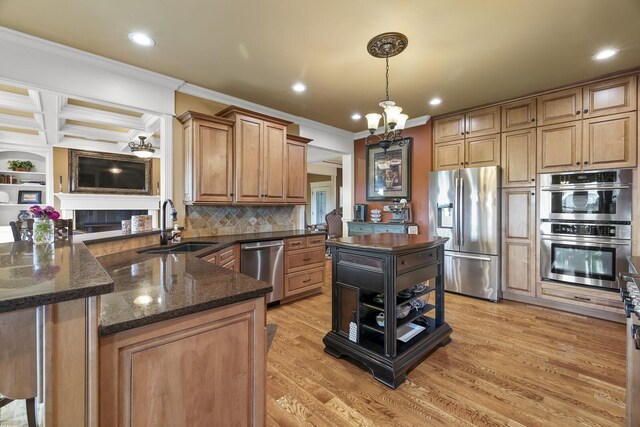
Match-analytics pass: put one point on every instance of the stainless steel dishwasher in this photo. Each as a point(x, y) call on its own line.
point(265, 261)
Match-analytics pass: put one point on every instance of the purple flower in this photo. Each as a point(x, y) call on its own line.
point(48, 212)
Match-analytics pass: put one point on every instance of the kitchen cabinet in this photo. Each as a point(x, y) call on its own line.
point(484, 121)
point(228, 258)
point(260, 156)
point(467, 153)
point(208, 158)
point(559, 107)
point(296, 173)
point(365, 228)
point(610, 97)
point(596, 143)
point(449, 155)
point(187, 371)
point(518, 158)
point(303, 266)
point(519, 241)
point(519, 115)
point(580, 296)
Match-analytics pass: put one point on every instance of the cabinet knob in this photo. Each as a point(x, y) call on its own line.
point(231, 194)
point(533, 120)
point(533, 194)
point(466, 163)
point(578, 113)
point(461, 133)
point(577, 163)
point(586, 110)
point(462, 163)
point(586, 163)
point(533, 179)
point(467, 132)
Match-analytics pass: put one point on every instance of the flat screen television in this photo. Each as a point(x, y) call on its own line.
point(93, 172)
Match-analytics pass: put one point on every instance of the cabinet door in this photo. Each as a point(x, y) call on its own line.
point(482, 151)
point(610, 97)
point(519, 115)
point(296, 159)
point(519, 158)
point(482, 122)
point(213, 161)
point(518, 247)
point(560, 147)
point(448, 156)
point(448, 128)
point(248, 159)
point(610, 141)
point(274, 166)
point(559, 107)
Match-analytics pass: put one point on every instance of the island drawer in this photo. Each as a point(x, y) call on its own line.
point(296, 243)
point(304, 281)
point(361, 260)
point(413, 277)
point(416, 260)
point(303, 259)
point(364, 279)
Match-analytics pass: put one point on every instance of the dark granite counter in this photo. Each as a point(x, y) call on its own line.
point(388, 242)
point(150, 288)
point(32, 275)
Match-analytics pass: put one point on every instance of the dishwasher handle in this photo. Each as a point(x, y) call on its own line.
point(260, 245)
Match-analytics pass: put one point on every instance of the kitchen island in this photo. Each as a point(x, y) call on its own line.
point(387, 302)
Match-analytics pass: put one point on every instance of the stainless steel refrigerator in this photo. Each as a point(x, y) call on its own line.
point(464, 205)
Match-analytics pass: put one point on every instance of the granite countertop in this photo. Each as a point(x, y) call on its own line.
point(34, 275)
point(383, 223)
point(150, 288)
point(388, 242)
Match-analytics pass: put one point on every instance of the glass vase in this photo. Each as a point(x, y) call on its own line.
point(43, 231)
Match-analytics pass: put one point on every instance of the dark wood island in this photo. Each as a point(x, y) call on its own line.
point(399, 276)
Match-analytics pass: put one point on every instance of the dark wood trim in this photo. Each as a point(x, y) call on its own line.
point(232, 110)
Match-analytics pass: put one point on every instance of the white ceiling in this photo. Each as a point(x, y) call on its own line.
point(466, 52)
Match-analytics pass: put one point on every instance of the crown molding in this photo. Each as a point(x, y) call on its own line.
point(111, 65)
point(212, 95)
point(411, 123)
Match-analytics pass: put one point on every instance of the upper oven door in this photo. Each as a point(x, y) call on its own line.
point(586, 261)
point(589, 203)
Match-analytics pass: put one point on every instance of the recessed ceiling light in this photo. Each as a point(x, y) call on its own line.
point(141, 39)
point(356, 116)
point(435, 101)
point(299, 87)
point(604, 54)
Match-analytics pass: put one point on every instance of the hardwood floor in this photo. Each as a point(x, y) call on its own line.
point(508, 364)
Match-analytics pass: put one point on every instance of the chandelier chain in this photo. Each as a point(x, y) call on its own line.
point(387, 78)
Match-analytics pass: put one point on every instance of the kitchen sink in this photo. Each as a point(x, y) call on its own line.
point(177, 249)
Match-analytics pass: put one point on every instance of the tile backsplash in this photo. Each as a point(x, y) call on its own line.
point(208, 220)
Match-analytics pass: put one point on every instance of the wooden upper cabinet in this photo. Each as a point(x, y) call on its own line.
point(560, 147)
point(519, 115)
point(208, 158)
point(519, 158)
point(610, 97)
point(260, 156)
point(449, 128)
point(559, 107)
point(610, 141)
point(482, 122)
point(449, 155)
point(482, 151)
point(296, 160)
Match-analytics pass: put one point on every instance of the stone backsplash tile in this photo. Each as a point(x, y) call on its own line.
point(208, 220)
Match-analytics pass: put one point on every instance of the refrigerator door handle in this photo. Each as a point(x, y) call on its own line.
point(456, 212)
point(461, 213)
point(474, 257)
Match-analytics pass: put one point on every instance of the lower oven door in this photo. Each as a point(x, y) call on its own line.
point(585, 261)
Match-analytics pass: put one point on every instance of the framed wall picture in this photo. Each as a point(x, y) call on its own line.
point(29, 197)
point(389, 174)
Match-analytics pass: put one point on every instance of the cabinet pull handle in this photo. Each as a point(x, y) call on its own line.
point(295, 244)
point(467, 132)
point(586, 163)
point(461, 133)
point(533, 179)
point(306, 281)
point(533, 194)
point(586, 110)
point(403, 262)
point(462, 163)
point(533, 120)
point(306, 259)
point(581, 298)
point(577, 163)
point(578, 113)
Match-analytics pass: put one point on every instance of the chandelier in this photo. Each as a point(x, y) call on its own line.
point(386, 45)
point(142, 149)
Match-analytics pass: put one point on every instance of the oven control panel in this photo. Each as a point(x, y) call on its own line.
point(584, 230)
point(585, 178)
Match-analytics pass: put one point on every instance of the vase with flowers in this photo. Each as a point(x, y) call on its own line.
point(43, 229)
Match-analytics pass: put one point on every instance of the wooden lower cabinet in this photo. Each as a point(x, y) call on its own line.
point(519, 158)
point(227, 258)
point(203, 369)
point(519, 241)
point(303, 266)
point(580, 296)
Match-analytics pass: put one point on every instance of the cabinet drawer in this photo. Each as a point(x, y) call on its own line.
point(303, 282)
point(360, 229)
point(589, 298)
point(297, 243)
point(295, 261)
point(398, 229)
point(212, 258)
point(226, 255)
point(315, 241)
point(415, 260)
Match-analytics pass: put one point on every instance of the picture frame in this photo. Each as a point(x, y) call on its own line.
point(29, 197)
point(389, 174)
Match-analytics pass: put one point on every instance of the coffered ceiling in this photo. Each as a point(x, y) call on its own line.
point(464, 51)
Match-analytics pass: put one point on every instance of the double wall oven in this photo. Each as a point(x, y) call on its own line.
point(585, 226)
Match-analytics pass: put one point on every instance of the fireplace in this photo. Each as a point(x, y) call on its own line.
point(92, 221)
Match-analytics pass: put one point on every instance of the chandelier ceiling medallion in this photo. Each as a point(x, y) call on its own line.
point(385, 46)
point(142, 149)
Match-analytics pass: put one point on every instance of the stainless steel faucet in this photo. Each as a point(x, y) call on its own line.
point(164, 237)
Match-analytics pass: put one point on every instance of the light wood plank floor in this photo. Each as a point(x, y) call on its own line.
point(508, 364)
